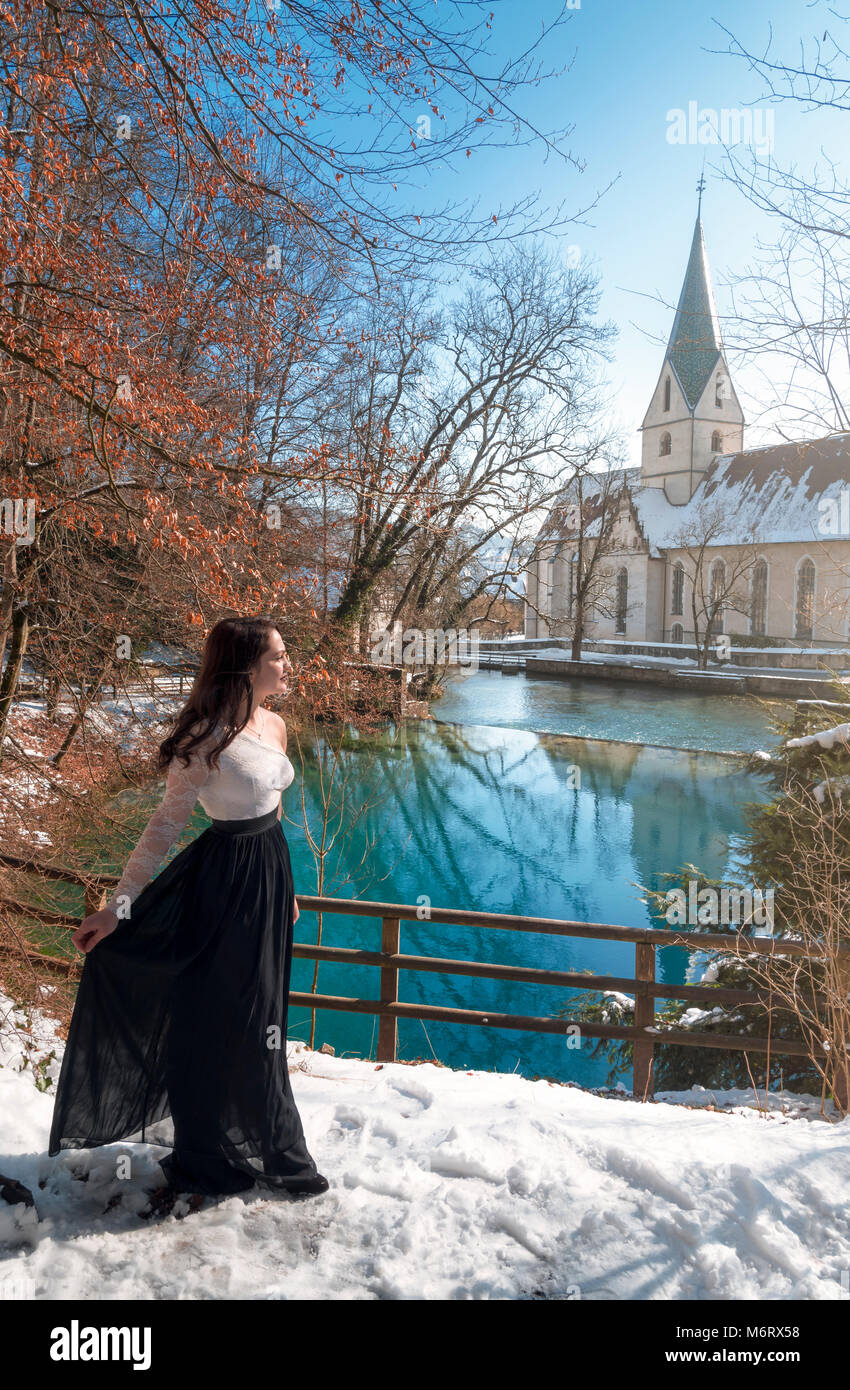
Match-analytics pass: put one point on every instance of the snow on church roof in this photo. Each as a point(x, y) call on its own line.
point(594, 489)
point(767, 495)
point(771, 495)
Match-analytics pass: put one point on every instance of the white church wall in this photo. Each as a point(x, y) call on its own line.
point(604, 624)
point(530, 622)
point(727, 418)
point(831, 595)
point(654, 599)
point(657, 422)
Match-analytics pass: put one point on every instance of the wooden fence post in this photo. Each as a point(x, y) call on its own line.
point(644, 1046)
point(388, 1024)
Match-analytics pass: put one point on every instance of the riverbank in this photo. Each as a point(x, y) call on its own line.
point(450, 1184)
point(727, 682)
point(668, 674)
point(59, 814)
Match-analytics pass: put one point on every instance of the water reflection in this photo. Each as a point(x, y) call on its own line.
point(491, 819)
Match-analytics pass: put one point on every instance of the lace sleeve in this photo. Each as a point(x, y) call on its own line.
point(162, 830)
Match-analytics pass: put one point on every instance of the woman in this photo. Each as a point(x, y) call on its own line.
point(181, 1008)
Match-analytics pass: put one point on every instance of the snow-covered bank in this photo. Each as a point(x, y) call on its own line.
point(675, 663)
point(451, 1185)
point(119, 734)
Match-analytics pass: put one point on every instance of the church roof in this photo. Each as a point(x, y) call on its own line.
point(695, 339)
point(772, 494)
point(764, 496)
point(599, 493)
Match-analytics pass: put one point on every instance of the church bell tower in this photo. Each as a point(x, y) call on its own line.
point(694, 413)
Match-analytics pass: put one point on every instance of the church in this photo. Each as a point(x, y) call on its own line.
point(705, 535)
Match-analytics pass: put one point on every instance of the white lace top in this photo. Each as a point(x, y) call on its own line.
point(247, 783)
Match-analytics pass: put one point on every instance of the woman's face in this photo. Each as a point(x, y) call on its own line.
point(273, 668)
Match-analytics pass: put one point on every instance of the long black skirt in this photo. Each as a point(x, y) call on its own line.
point(178, 1035)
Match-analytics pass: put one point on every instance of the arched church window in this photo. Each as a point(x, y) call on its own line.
point(666, 443)
point(758, 599)
point(678, 596)
point(716, 590)
point(804, 605)
point(677, 633)
point(718, 390)
point(667, 393)
point(716, 442)
point(622, 599)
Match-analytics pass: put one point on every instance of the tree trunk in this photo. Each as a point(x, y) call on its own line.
point(8, 590)
point(349, 612)
point(86, 698)
point(52, 698)
point(841, 1084)
point(12, 671)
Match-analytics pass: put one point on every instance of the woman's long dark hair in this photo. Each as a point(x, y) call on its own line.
point(221, 693)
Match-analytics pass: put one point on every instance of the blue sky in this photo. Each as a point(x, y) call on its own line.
point(631, 63)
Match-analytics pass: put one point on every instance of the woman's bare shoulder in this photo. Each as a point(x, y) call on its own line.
point(278, 725)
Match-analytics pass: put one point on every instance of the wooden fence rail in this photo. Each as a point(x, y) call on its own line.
point(390, 960)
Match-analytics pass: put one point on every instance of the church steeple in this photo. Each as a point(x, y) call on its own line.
point(694, 413)
point(695, 340)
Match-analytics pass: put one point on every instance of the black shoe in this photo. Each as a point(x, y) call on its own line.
point(305, 1187)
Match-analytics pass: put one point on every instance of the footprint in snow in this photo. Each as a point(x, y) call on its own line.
point(412, 1090)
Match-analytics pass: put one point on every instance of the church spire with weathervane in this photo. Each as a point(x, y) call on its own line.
point(694, 413)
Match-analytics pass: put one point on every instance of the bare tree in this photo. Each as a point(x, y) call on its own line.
point(466, 414)
point(583, 524)
point(716, 571)
point(791, 314)
point(792, 324)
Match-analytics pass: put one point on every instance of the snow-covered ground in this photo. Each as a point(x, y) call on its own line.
point(129, 725)
point(450, 1185)
point(673, 663)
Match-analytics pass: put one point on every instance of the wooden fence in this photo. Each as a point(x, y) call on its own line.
point(390, 961)
point(178, 680)
point(509, 663)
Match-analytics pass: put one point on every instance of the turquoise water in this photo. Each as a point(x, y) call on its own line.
point(610, 710)
point(473, 813)
point(491, 819)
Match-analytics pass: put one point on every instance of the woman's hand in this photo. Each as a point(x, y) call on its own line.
point(296, 913)
point(94, 928)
